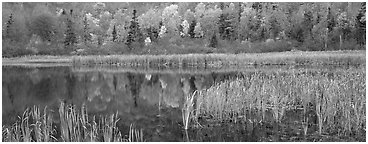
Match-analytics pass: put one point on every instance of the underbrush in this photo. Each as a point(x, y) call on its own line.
point(171, 45)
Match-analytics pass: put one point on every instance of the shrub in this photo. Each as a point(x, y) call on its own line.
point(13, 49)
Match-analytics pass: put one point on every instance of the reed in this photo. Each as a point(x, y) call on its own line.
point(337, 99)
point(135, 135)
point(187, 109)
point(225, 60)
point(75, 126)
point(42, 126)
point(110, 130)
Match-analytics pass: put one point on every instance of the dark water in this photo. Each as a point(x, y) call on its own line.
point(152, 101)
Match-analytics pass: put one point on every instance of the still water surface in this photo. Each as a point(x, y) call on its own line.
point(150, 100)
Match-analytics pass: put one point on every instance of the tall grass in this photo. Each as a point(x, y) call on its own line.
point(187, 109)
point(75, 126)
point(135, 135)
point(201, 60)
point(337, 100)
point(31, 126)
point(225, 60)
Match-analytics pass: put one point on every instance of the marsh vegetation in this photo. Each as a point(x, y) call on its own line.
point(75, 125)
point(315, 102)
point(253, 104)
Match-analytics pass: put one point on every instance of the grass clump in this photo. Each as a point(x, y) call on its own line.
point(75, 126)
point(334, 103)
point(32, 126)
point(225, 60)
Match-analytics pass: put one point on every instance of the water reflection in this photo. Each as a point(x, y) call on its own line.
point(151, 100)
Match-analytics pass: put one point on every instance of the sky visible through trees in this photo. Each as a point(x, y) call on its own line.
point(58, 28)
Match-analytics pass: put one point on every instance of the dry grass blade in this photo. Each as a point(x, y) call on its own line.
point(188, 109)
point(135, 135)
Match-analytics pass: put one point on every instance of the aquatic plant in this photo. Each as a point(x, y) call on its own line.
point(335, 100)
point(187, 109)
point(135, 135)
point(75, 126)
point(43, 128)
point(224, 60)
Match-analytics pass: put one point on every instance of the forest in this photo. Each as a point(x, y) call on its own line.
point(66, 28)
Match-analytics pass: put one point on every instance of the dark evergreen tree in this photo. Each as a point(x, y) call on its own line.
point(222, 24)
point(87, 35)
point(191, 29)
point(114, 35)
point(132, 30)
point(70, 35)
point(330, 20)
point(9, 23)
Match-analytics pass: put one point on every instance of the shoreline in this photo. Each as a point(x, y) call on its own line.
point(216, 60)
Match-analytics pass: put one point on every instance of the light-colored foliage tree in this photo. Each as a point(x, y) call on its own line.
point(248, 22)
point(199, 11)
point(209, 21)
point(185, 26)
point(198, 30)
point(171, 20)
point(149, 22)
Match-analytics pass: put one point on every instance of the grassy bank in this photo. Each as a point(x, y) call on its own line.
point(226, 60)
point(75, 125)
point(201, 60)
point(36, 59)
point(319, 102)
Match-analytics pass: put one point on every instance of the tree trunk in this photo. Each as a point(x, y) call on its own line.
point(326, 39)
point(340, 41)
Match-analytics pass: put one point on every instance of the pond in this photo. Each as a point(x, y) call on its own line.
point(151, 100)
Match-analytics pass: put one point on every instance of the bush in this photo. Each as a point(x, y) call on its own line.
point(115, 48)
point(347, 45)
point(313, 45)
point(14, 49)
point(52, 49)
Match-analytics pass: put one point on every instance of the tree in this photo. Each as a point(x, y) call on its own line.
point(114, 36)
point(105, 23)
point(343, 26)
point(171, 20)
point(248, 22)
point(70, 36)
point(199, 11)
point(320, 30)
point(149, 22)
point(43, 25)
point(213, 41)
point(122, 23)
point(229, 22)
point(133, 34)
point(307, 23)
point(198, 33)
point(209, 22)
point(9, 25)
point(222, 24)
point(189, 16)
point(86, 31)
point(296, 30)
point(360, 25)
point(185, 26)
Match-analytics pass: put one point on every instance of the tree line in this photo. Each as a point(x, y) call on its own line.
point(115, 28)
